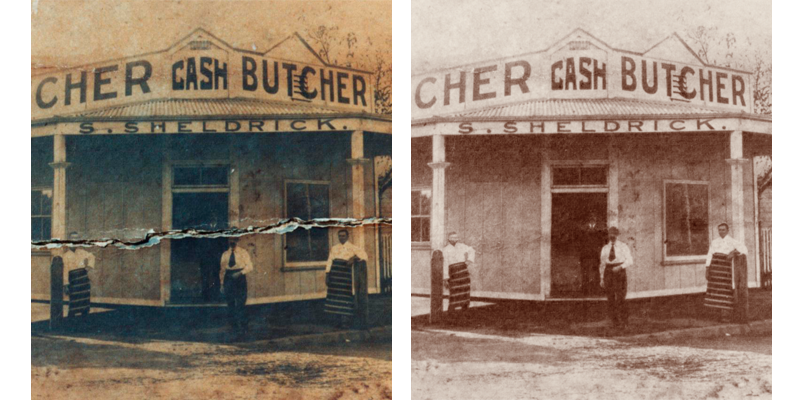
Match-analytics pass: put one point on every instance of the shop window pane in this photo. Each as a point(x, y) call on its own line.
point(566, 176)
point(593, 176)
point(320, 207)
point(36, 229)
point(425, 202)
point(215, 176)
point(415, 195)
point(47, 202)
point(187, 176)
point(420, 229)
point(297, 201)
point(307, 201)
point(36, 202)
point(686, 219)
point(46, 224)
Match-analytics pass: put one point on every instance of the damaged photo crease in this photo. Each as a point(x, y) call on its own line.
point(211, 189)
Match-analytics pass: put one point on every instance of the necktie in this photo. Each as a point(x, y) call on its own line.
point(612, 255)
point(232, 260)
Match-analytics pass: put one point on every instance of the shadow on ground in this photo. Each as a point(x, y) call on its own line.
point(588, 318)
point(136, 325)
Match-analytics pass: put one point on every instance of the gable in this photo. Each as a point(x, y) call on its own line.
point(674, 49)
point(296, 49)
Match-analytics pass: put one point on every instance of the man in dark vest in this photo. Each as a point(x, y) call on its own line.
point(593, 237)
point(234, 266)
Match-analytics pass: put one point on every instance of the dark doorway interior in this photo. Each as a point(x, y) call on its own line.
point(576, 244)
point(195, 262)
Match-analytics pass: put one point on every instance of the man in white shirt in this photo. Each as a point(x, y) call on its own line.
point(77, 261)
point(235, 264)
point(346, 251)
point(342, 306)
point(458, 257)
point(615, 259)
point(725, 244)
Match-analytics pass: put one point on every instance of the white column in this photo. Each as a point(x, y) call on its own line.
point(58, 227)
point(737, 163)
point(438, 201)
point(546, 221)
point(358, 207)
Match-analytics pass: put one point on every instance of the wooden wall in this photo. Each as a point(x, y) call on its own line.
point(494, 202)
point(114, 191)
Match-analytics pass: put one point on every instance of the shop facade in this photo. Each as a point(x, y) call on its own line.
point(517, 154)
point(205, 140)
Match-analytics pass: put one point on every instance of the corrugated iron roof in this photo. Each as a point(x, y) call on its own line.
point(587, 108)
point(208, 107)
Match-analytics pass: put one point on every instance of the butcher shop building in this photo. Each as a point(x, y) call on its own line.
point(520, 155)
point(203, 140)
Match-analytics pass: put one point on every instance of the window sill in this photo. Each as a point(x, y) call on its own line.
point(420, 245)
point(40, 253)
point(684, 262)
point(300, 268)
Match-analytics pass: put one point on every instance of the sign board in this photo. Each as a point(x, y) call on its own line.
point(582, 67)
point(202, 66)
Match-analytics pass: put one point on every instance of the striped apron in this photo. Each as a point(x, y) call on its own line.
point(341, 299)
point(719, 293)
point(79, 291)
point(459, 286)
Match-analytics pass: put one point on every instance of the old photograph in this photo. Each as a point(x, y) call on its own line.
point(211, 199)
point(591, 191)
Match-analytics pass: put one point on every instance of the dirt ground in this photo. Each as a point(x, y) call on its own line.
point(468, 365)
point(79, 368)
point(121, 354)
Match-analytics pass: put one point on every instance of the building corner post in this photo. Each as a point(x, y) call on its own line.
point(438, 200)
point(737, 163)
point(358, 189)
point(59, 222)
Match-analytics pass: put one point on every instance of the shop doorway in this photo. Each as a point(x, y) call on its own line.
point(195, 261)
point(578, 234)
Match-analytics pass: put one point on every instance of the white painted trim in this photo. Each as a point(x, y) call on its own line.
point(546, 210)
point(666, 292)
point(756, 225)
point(579, 189)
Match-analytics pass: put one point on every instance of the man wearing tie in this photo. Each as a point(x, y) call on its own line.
point(615, 258)
point(458, 257)
point(234, 266)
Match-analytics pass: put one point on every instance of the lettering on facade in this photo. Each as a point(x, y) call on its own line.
point(207, 126)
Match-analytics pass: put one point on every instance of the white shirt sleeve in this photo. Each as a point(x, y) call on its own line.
point(628, 257)
point(245, 262)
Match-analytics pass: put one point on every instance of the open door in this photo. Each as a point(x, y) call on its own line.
point(578, 236)
point(195, 261)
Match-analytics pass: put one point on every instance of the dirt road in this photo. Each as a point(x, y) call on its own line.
point(470, 365)
point(84, 368)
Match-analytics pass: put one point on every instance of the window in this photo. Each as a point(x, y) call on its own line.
point(580, 176)
point(200, 175)
point(307, 200)
point(41, 214)
point(421, 215)
point(685, 219)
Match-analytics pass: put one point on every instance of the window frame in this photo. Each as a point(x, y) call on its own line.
point(688, 259)
point(49, 216)
point(428, 242)
point(200, 188)
point(579, 188)
point(301, 265)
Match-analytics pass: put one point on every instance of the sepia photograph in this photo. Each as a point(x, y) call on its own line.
point(211, 199)
point(591, 199)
